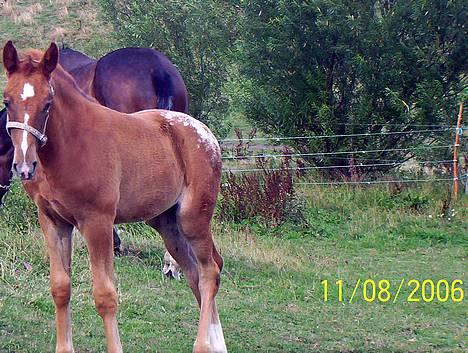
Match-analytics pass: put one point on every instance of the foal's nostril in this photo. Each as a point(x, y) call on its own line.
point(15, 167)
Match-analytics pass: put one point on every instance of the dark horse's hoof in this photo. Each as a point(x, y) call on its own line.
point(117, 243)
point(171, 268)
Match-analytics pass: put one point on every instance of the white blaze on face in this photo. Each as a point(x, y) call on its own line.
point(24, 141)
point(28, 91)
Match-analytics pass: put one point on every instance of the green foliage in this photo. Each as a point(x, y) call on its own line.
point(196, 35)
point(314, 66)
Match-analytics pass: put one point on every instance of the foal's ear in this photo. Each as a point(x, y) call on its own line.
point(10, 57)
point(50, 59)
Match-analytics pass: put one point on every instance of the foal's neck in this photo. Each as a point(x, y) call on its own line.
point(69, 113)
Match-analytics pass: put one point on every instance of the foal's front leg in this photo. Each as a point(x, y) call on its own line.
point(98, 234)
point(58, 235)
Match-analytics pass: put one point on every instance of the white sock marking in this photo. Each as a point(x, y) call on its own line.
point(217, 344)
point(28, 91)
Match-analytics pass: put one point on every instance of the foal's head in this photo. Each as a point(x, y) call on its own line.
point(28, 98)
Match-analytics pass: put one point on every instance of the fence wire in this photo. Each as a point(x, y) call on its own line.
point(370, 182)
point(316, 137)
point(336, 153)
point(360, 165)
point(357, 163)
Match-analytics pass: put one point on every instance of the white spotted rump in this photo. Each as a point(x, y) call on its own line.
point(28, 91)
point(206, 137)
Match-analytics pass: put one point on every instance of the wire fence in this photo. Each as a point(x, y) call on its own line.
point(381, 125)
point(366, 160)
point(317, 137)
point(337, 152)
point(370, 182)
point(393, 163)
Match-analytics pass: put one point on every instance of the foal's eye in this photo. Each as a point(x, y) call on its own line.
point(47, 106)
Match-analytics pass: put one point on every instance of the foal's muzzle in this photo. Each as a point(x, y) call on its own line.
point(24, 170)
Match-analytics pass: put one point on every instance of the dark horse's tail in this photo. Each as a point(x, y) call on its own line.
point(164, 89)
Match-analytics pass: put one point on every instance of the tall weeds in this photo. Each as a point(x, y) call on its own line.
point(268, 195)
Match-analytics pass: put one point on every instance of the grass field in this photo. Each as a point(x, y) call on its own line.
point(271, 297)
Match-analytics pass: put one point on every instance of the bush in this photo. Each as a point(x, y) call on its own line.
point(197, 35)
point(325, 67)
point(268, 196)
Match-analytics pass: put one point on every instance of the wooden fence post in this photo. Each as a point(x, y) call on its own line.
point(455, 153)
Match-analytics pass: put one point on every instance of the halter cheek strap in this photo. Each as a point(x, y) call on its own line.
point(22, 126)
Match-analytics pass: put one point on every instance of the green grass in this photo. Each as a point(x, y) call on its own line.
point(271, 297)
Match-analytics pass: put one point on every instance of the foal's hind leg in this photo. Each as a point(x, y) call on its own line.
point(58, 235)
point(194, 220)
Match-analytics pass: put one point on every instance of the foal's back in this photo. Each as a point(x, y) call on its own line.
point(159, 155)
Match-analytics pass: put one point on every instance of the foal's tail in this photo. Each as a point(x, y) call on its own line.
point(163, 86)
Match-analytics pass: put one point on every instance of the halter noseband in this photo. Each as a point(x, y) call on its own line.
point(36, 133)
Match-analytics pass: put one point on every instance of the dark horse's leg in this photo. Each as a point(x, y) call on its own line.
point(177, 246)
point(117, 243)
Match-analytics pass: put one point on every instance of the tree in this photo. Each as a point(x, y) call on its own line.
point(344, 67)
point(196, 35)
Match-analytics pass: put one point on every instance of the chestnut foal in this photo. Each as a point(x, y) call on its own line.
point(83, 164)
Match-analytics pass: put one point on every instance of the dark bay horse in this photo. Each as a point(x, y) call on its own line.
point(129, 79)
point(142, 78)
point(88, 167)
point(71, 59)
point(6, 156)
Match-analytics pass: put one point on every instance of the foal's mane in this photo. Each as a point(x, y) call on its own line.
point(30, 60)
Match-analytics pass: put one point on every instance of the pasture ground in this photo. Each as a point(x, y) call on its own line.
point(271, 297)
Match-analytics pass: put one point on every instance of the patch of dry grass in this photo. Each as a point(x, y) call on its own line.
point(21, 14)
point(245, 246)
point(58, 34)
point(74, 23)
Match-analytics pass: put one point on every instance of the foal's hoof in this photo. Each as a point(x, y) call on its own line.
point(201, 348)
point(206, 348)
